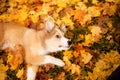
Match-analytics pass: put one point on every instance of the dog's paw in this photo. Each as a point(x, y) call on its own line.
point(60, 63)
point(53, 60)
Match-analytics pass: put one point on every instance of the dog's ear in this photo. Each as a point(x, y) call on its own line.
point(63, 28)
point(49, 25)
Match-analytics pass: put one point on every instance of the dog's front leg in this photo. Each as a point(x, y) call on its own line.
point(53, 60)
point(31, 72)
point(40, 60)
point(44, 59)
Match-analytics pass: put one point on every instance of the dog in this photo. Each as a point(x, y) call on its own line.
point(37, 43)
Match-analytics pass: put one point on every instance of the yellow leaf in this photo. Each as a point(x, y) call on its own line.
point(13, 63)
point(112, 10)
point(74, 69)
point(74, 1)
point(81, 6)
point(68, 53)
point(68, 21)
point(79, 15)
point(9, 58)
point(96, 30)
point(96, 33)
point(34, 18)
point(3, 70)
point(20, 73)
point(5, 17)
point(22, 14)
point(66, 60)
point(94, 1)
point(94, 11)
point(61, 5)
point(44, 9)
point(86, 56)
point(88, 40)
point(67, 56)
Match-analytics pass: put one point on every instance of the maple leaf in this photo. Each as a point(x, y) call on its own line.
point(94, 11)
point(3, 70)
point(96, 30)
point(42, 76)
point(68, 21)
point(88, 40)
point(81, 6)
point(73, 1)
point(86, 56)
point(45, 8)
point(96, 33)
point(60, 76)
point(68, 53)
point(22, 13)
point(20, 73)
point(67, 56)
point(61, 5)
point(94, 1)
point(66, 11)
point(79, 15)
point(76, 54)
point(74, 69)
point(113, 9)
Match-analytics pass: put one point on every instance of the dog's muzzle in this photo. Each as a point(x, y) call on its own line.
point(69, 43)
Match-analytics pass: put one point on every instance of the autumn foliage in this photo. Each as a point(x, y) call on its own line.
point(92, 26)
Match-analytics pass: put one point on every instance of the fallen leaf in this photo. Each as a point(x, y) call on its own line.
point(42, 76)
point(86, 56)
point(94, 11)
point(3, 70)
point(96, 33)
point(60, 76)
point(20, 73)
point(78, 15)
point(68, 21)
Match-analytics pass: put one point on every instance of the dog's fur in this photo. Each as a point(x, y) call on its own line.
point(37, 44)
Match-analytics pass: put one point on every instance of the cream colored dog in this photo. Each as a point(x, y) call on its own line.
point(37, 44)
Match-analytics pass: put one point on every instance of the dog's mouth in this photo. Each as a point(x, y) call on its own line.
point(66, 47)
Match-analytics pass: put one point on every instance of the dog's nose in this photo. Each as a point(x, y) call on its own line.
point(69, 42)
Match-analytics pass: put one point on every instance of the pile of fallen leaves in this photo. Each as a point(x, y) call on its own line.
point(92, 26)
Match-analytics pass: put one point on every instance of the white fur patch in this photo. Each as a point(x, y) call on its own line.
point(64, 41)
point(52, 60)
point(7, 44)
point(30, 74)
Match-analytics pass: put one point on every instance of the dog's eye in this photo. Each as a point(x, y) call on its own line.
point(58, 36)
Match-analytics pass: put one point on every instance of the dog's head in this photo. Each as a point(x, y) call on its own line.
point(56, 40)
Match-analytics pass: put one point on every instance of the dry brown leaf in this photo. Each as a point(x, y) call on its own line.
point(42, 76)
point(60, 76)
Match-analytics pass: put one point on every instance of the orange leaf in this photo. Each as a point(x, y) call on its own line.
point(78, 15)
